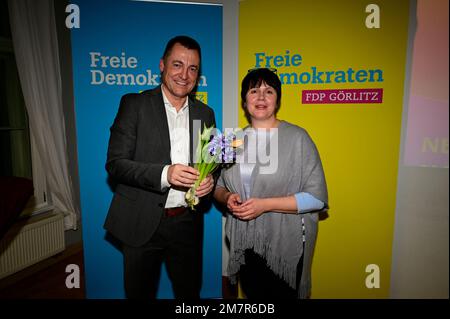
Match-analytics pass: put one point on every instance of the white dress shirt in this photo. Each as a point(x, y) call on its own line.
point(178, 123)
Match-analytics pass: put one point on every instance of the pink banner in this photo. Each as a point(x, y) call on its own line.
point(427, 132)
point(355, 96)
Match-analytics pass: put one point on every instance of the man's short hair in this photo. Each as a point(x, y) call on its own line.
point(185, 41)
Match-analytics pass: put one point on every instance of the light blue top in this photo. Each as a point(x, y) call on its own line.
point(307, 203)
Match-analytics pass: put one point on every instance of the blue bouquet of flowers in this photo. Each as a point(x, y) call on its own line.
point(214, 149)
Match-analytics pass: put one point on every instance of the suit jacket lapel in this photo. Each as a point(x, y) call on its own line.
point(161, 121)
point(195, 114)
point(197, 120)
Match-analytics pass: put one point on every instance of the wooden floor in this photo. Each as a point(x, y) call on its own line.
point(47, 279)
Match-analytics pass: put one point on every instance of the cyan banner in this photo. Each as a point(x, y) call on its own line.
point(116, 50)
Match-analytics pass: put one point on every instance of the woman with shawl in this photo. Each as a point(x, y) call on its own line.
point(273, 194)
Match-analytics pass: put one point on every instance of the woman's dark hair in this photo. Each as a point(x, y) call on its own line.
point(185, 41)
point(255, 78)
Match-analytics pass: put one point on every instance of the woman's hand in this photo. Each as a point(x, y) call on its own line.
point(233, 201)
point(250, 209)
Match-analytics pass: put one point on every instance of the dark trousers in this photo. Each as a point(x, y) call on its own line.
point(177, 242)
point(258, 281)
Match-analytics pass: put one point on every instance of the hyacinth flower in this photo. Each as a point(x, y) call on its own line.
point(210, 155)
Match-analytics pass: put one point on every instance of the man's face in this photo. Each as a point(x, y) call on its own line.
point(180, 71)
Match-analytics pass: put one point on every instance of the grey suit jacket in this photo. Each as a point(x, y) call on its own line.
point(138, 150)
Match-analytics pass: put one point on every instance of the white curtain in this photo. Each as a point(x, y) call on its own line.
point(33, 29)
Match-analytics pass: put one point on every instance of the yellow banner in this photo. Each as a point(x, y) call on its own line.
point(342, 65)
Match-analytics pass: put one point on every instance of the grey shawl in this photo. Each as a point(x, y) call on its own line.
point(277, 237)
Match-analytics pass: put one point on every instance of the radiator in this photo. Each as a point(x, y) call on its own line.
point(30, 241)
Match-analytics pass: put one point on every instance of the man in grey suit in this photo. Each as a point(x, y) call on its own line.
point(149, 152)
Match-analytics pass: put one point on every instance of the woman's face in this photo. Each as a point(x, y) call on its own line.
point(262, 102)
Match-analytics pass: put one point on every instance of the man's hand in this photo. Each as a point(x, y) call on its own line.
point(205, 186)
point(182, 175)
